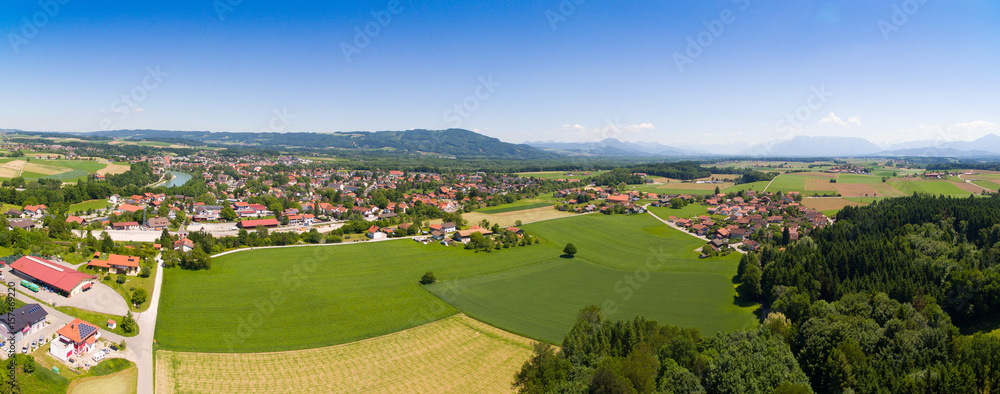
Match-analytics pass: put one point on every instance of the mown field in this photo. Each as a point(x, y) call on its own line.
point(455, 354)
point(64, 170)
point(629, 265)
point(936, 187)
point(561, 174)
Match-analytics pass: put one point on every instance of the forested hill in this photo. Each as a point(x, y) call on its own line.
point(452, 142)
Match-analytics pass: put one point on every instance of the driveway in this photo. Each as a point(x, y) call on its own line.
point(142, 344)
point(100, 298)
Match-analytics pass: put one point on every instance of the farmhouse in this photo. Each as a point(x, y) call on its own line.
point(75, 339)
point(464, 236)
point(34, 210)
point(618, 199)
point(250, 224)
point(184, 245)
point(64, 280)
point(117, 264)
point(22, 322)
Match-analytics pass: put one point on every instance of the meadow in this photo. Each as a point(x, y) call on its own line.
point(87, 205)
point(561, 174)
point(330, 294)
point(454, 354)
point(935, 187)
point(515, 206)
point(629, 265)
point(315, 296)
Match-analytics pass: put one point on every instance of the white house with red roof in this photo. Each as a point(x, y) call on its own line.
point(75, 339)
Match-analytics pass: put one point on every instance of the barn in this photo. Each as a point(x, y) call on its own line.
point(62, 279)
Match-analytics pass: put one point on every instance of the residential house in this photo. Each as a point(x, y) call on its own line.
point(117, 264)
point(183, 245)
point(125, 226)
point(23, 321)
point(75, 339)
point(24, 224)
point(34, 210)
point(158, 223)
point(464, 236)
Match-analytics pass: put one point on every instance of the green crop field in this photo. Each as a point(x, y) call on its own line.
point(515, 206)
point(85, 165)
point(308, 297)
point(930, 187)
point(89, 204)
point(647, 268)
point(988, 184)
point(856, 178)
point(755, 186)
point(68, 175)
point(788, 183)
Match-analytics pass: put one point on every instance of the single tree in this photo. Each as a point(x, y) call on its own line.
point(570, 250)
point(428, 278)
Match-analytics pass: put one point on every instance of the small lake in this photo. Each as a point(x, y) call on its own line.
point(179, 179)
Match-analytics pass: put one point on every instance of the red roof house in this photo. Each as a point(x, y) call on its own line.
point(65, 280)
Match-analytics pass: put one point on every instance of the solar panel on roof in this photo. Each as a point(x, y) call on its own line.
point(34, 309)
point(86, 330)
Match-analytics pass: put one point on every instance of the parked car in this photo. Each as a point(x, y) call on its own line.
point(24, 349)
point(114, 347)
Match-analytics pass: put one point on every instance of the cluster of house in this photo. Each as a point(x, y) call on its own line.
point(445, 233)
point(75, 339)
point(740, 217)
point(627, 200)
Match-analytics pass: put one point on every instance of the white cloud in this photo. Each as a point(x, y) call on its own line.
point(834, 120)
point(138, 110)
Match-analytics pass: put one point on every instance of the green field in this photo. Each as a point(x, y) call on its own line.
point(328, 294)
point(308, 297)
point(856, 178)
point(671, 284)
point(929, 187)
point(89, 204)
point(689, 211)
point(988, 184)
point(66, 176)
point(755, 186)
point(514, 206)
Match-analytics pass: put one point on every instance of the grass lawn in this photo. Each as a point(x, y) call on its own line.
point(89, 204)
point(561, 174)
point(98, 319)
point(514, 206)
point(131, 282)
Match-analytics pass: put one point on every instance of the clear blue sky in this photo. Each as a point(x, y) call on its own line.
point(606, 69)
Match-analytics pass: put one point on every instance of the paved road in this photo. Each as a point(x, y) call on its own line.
point(735, 246)
point(142, 344)
point(973, 184)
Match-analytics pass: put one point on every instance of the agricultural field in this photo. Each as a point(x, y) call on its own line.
point(454, 354)
point(829, 205)
point(515, 206)
point(669, 282)
point(935, 187)
point(64, 170)
point(334, 294)
point(806, 183)
point(689, 211)
point(755, 186)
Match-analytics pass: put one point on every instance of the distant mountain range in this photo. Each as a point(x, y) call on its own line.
point(614, 147)
point(452, 142)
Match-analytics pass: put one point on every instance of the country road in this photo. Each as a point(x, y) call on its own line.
point(142, 344)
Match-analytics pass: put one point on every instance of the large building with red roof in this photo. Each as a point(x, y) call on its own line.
point(60, 278)
point(75, 339)
point(251, 224)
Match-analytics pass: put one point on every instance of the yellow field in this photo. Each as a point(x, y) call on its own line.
point(455, 354)
point(827, 203)
point(508, 218)
point(44, 169)
point(113, 168)
point(11, 169)
point(123, 382)
point(819, 184)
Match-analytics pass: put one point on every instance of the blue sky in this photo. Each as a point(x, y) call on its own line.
point(546, 70)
